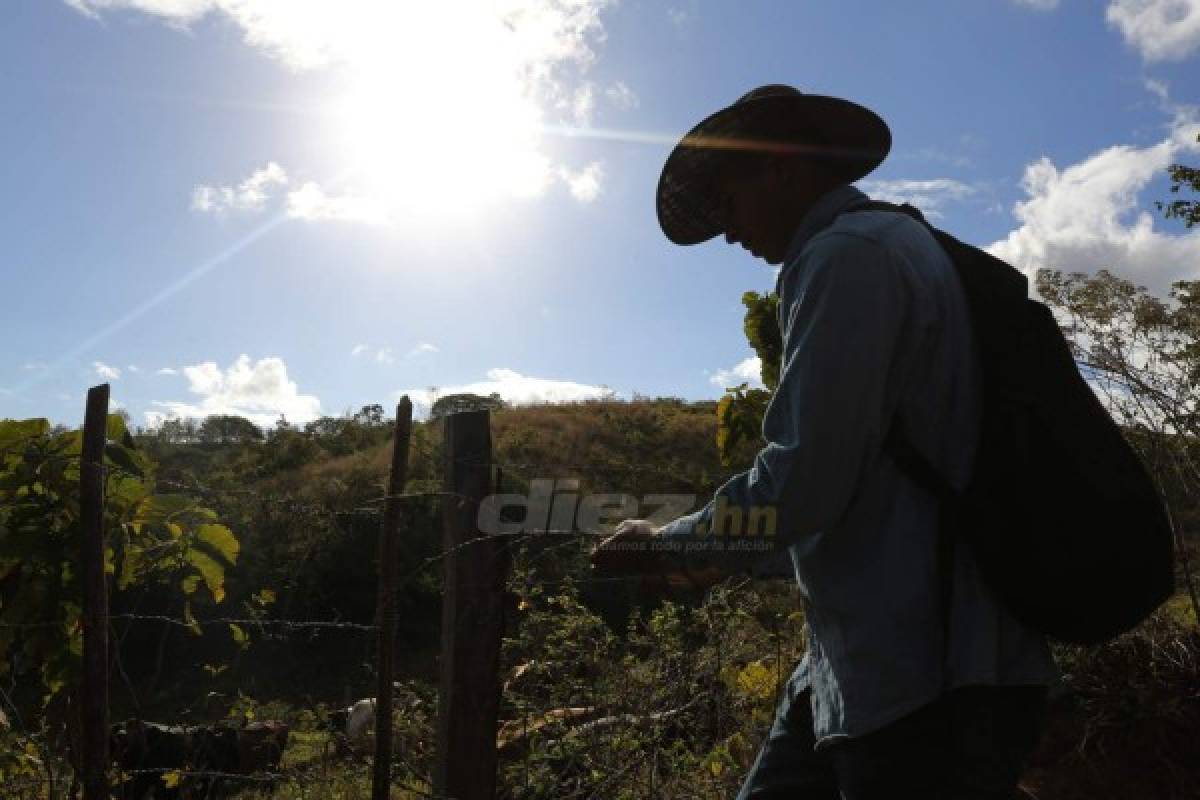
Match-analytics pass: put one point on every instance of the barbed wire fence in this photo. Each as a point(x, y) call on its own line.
point(541, 741)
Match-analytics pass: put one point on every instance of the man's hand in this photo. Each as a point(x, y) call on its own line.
point(628, 550)
point(635, 527)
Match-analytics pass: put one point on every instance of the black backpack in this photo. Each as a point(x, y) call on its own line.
point(1067, 526)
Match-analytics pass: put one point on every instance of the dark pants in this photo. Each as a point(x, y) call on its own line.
point(970, 744)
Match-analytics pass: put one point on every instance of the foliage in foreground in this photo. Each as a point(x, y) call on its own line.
point(153, 539)
point(676, 704)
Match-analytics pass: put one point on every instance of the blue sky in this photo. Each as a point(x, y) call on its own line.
point(264, 207)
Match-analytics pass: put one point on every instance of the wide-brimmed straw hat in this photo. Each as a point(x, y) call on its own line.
point(850, 139)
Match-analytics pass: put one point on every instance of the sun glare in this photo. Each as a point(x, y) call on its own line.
point(443, 122)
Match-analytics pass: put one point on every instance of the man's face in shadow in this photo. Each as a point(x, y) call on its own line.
point(762, 200)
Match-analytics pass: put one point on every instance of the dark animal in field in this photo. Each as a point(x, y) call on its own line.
point(261, 745)
point(336, 722)
point(351, 728)
point(146, 751)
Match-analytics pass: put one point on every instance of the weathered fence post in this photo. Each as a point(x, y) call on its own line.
point(386, 612)
point(94, 689)
point(472, 618)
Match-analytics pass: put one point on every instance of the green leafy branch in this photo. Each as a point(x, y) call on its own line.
point(151, 539)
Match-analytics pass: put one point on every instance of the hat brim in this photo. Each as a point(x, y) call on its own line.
point(858, 138)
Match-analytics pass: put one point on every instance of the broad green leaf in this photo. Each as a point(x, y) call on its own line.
point(125, 491)
point(115, 429)
point(122, 458)
point(239, 636)
point(157, 508)
point(209, 568)
point(189, 584)
point(220, 539)
point(171, 779)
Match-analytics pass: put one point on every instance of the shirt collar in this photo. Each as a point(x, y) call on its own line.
point(819, 217)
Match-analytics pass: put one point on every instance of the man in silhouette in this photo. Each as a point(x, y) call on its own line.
point(915, 682)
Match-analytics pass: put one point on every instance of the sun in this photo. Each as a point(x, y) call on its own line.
point(425, 136)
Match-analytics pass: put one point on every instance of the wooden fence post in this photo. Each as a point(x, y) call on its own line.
point(94, 690)
point(472, 618)
point(386, 612)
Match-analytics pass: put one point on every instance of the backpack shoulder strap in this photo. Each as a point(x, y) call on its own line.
point(912, 461)
point(993, 287)
point(924, 474)
point(883, 205)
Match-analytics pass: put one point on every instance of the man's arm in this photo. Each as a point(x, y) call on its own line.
point(844, 310)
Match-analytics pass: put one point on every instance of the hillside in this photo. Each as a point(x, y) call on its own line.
point(305, 507)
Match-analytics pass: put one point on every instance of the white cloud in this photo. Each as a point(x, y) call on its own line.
point(584, 184)
point(1086, 216)
point(515, 388)
point(311, 203)
point(927, 195)
point(507, 67)
point(962, 151)
point(167, 371)
point(177, 12)
point(249, 195)
point(943, 156)
point(748, 370)
point(1157, 88)
point(382, 355)
point(105, 371)
point(134, 368)
point(581, 105)
point(621, 96)
point(1038, 5)
point(1161, 30)
point(543, 36)
point(260, 391)
point(421, 349)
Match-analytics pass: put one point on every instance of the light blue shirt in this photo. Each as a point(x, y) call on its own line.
point(875, 323)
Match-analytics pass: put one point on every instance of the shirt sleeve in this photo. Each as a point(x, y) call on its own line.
point(843, 309)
